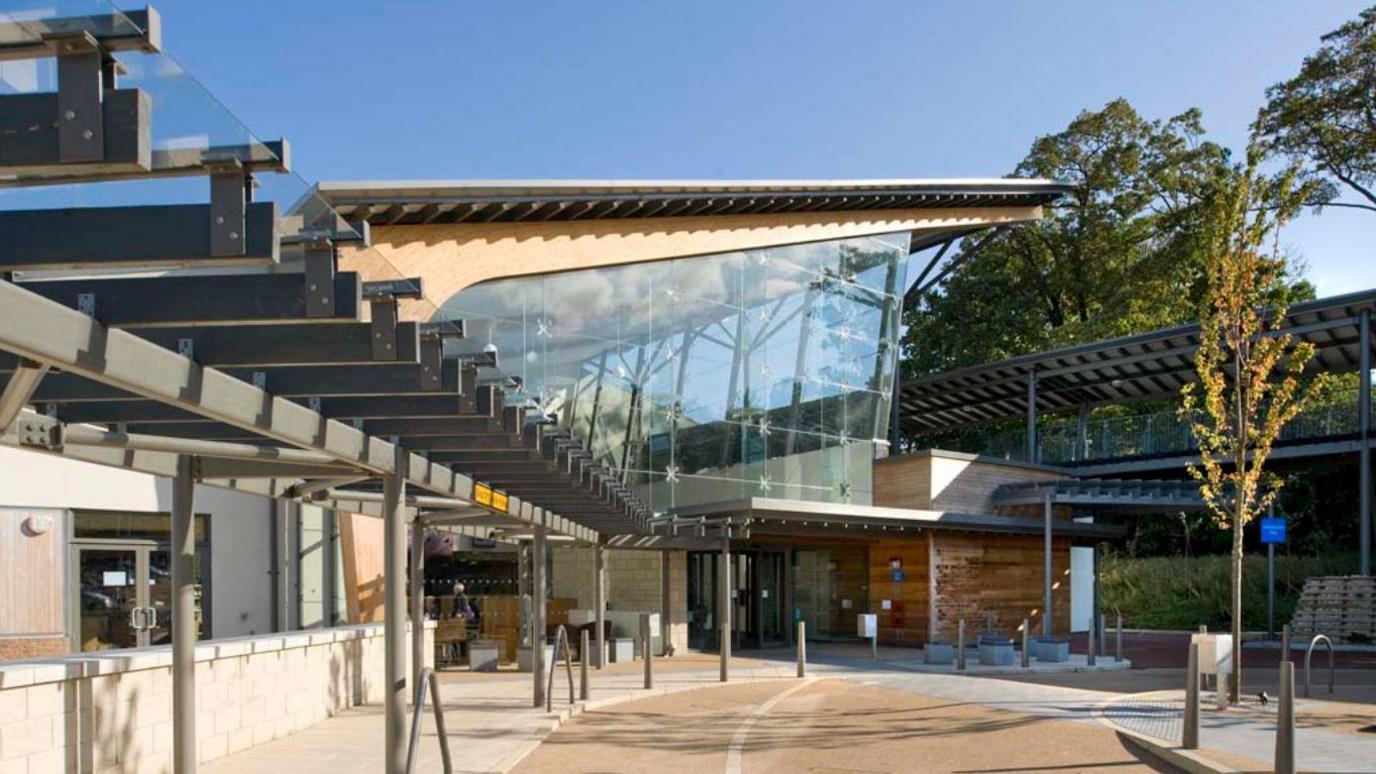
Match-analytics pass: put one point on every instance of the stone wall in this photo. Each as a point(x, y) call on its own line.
point(13, 648)
point(634, 583)
point(112, 710)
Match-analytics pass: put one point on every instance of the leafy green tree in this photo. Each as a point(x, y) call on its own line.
point(1325, 117)
point(1117, 255)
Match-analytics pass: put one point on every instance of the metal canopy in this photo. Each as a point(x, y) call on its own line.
point(1148, 366)
point(1104, 495)
point(406, 202)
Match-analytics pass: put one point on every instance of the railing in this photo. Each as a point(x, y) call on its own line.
point(561, 636)
point(1065, 441)
point(427, 675)
point(1309, 654)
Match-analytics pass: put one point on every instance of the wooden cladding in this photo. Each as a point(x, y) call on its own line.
point(974, 574)
point(899, 575)
point(944, 482)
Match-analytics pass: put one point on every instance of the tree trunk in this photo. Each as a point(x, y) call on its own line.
point(1235, 687)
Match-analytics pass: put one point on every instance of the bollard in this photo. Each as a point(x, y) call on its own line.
point(1102, 634)
point(1190, 738)
point(1090, 649)
point(1285, 720)
point(1026, 636)
point(584, 653)
point(960, 646)
point(1118, 640)
point(1203, 628)
point(1285, 642)
point(646, 645)
point(802, 650)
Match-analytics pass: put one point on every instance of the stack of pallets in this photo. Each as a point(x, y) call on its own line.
point(1341, 606)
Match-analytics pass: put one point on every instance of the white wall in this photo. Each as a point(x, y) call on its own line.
point(240, 525)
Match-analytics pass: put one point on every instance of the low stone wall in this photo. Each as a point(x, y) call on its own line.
point(112, 710)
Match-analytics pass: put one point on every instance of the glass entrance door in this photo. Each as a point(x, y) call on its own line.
point(110, 598)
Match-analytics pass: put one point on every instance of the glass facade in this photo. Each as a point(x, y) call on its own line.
point(762, 373)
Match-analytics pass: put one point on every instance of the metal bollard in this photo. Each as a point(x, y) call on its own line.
point(1190, 738)
point(646, 645)
point(584, 653)
point(802, 650)
point(1118, 640)
point(1026, 640)
point(1102, 634)
point(1090, 649)
point(1285, 720)
point(1285, 642)
point(960, 646)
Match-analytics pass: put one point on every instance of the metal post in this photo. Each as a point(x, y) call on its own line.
point(583, 653)
point(1364, 435)
point(664, 603)
point(1285, 642)
point(184, 628)
point(724, 614)
point(1118, 639)
point(1103, 634)
point(1026, 640)
point(1270, 591)
point(1190, 737)
point(417, 600)
point(646, 641)
point(802, 651)
point(1032, 417)
point(960, 646)
point(1090, 650)
point(1096, 613)
point(1046, 568)
point(537, 629)
point(394, 614)
point(1285, 721)
point(599, 553)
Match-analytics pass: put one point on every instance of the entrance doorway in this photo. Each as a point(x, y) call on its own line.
point(757, 592)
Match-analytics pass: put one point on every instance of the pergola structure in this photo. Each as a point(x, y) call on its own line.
point(1142, 367)
point(278, 375)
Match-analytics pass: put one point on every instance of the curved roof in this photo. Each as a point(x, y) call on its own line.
point(410, 202)
point(1146, 366)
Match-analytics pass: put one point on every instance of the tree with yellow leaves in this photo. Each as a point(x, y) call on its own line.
point(1249, 369)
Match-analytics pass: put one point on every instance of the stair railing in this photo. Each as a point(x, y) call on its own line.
point(1309, 654)
point(561, 636)
point(427, 675)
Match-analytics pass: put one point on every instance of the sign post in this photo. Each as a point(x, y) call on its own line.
point(1272, 532)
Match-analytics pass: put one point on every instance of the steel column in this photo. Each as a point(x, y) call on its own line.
point(537, 616)
point(724, 602)
point(664, 602)
point(417, 585)
point(18, 390)
point(1046, 570)
point(1364, 433)
point(1032, 417)
point(599, 554)
point(184, 628)
point(394, 621)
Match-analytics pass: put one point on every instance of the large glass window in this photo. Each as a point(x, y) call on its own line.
point(760, 373)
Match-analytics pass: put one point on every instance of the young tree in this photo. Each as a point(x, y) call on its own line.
point(1249, 371)
point(1324, 116)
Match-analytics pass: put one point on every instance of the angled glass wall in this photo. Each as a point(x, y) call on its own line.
point(763, 373)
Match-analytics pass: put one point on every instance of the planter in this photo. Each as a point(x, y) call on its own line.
point(525, 663)
point(482, 655)
point(1052, 650)
point(621, 649)
point(939, 653)
point(996, 651)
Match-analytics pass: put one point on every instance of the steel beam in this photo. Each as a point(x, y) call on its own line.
point(373, 379)
point(123, 31)
point(36, 156)
point(232, 299)
point(184, 623)
point(19, 389)
point(165, 235)
point(285, 345)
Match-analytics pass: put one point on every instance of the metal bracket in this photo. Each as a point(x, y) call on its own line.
point(384, 328)
point(42, 433)
point(431, 363)
point(320, 269)
point(229, 197)
point(260, 379)
point(86, 304)
point(187, 348)
point(313, 403)
point(80, 91)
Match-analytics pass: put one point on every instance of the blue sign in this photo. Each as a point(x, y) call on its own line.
point(1273, 530)
point(899, 576)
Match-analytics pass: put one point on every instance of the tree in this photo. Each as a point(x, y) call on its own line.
point(1118, 254)
point(1250, 373)
point(1325, 116)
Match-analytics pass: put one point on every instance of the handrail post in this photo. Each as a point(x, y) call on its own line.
point(584, 654)
point(802, 650)
point(561, 636)
point(1026, 640)
point(1190, 736)
point(645, 648)
point(1309, 655)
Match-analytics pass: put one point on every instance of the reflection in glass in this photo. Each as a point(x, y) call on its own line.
point(763, 373)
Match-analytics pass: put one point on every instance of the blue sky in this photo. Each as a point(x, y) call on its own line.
point(635, 89)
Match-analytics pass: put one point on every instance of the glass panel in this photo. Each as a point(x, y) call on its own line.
point(160, 597)
point(108, 579)
point(115, 525)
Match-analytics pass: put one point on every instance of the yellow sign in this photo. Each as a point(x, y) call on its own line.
point(482, 495)
point(499, 501)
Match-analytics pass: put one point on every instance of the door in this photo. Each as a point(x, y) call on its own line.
point(110, 598)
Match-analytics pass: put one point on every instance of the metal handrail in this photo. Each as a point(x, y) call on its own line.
point(561, 635)
point(427, 675)
point(1310, 653)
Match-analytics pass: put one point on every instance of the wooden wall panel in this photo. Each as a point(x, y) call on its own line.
point(361, 543)
point(942, 481)
point(33, 567)
point(975, 573)
point(451, 257)
point(905, 623)
point(904, 482)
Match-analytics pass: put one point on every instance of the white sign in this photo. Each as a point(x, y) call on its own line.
point(887, 604)
point(866, 625)
point(115, 578)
